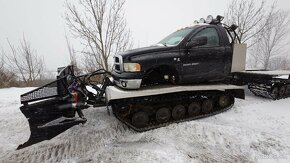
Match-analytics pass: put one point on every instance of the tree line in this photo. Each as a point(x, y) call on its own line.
point(101, 28)
point(265, 29)
point(20, 65)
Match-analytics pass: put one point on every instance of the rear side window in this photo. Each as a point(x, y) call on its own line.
point(212, 37)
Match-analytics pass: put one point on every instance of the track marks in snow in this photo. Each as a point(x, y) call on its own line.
point(75, 143)
point(190, 141)
point(106, 139)
point(214, 143)
point(268, 146)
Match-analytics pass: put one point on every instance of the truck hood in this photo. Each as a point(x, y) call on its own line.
point(139, 51)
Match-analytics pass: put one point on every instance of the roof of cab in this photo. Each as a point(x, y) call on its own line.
point(194, 25)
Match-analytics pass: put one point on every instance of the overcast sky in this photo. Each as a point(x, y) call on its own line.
point(42, 23)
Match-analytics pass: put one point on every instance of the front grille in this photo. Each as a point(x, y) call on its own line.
point(118, 65)
point(117, 68)
point(117, 60)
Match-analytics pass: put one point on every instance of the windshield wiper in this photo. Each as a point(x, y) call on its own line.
point(160, 44)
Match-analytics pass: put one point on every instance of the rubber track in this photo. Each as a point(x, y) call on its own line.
point(217, 110)
point(171, 122)
point(264, 91)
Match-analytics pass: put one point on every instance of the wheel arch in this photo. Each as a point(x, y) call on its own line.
point(164, 69)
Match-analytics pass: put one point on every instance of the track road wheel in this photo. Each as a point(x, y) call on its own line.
point(275, 92)
point(287, 91)
point(140, 119)
point(178, 112)
point(282, 91)
point(123, 111)
point(163, 115)
point(224, 101)
point(207, 106)
point(194, 109)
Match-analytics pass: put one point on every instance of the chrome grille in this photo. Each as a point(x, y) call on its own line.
point(117, 68)
point(118, 63)
point(117, 60)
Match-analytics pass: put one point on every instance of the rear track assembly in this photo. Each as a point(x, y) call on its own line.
point(277, 90)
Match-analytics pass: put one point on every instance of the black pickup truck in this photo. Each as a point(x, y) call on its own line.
point(200, 53)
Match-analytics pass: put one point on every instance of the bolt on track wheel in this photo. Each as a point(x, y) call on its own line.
point(140, 119)
point(224, 101)
point(287, 91)
point(163, 115)
point(194, 109)
point(282, 91)
point(178, 112)
point(207, 106)
point(275, 92)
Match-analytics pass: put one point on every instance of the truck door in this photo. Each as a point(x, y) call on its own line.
point(205, 62)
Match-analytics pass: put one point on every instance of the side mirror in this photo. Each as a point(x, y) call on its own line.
point(198, 41)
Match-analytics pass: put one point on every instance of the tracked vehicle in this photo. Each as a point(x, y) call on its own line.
point(200, 74)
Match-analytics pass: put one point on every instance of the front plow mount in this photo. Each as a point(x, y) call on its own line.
point(51, 109)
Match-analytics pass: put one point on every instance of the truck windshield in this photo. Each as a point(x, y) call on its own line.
point(176, 37)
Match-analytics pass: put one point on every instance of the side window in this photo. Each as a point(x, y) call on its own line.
point(212, 37)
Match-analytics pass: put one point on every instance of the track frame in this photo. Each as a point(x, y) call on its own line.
point(152, 103)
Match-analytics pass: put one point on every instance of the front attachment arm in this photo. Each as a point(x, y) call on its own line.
point(51, 109)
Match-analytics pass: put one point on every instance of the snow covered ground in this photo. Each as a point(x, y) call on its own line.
point(254, 130)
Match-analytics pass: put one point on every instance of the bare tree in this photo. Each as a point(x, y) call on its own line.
point(101, 26)
point(2, 72)
point(89, 63)
point(24, 62)
point(73, 57)
point(1, 63)
point(272, 40)
point(7, 78)
point(251, 18)
point(278, 63)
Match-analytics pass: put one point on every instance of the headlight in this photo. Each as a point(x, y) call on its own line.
point(132, 67)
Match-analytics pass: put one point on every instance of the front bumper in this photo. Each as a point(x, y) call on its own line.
point(129, 83)
point(127, 80)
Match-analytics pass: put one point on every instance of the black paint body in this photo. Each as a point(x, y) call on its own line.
point(195, 64)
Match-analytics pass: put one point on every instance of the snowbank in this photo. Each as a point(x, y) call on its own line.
point(253, 130)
